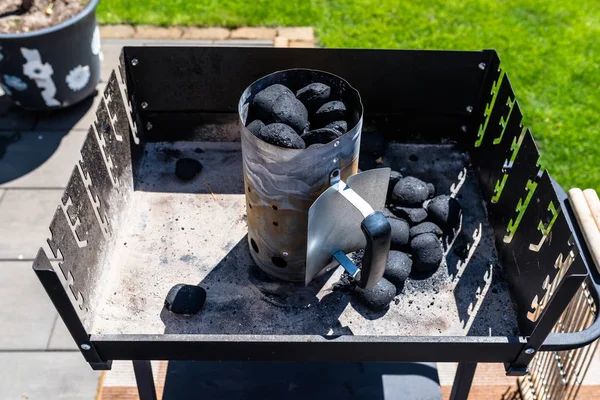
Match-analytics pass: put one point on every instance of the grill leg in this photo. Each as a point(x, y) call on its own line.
point(462, 381)
point(144, 379)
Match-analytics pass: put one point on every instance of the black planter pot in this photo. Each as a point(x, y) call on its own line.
point(54, 67)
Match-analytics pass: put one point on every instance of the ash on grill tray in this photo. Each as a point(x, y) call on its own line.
point(308, 118)
point(195, 232)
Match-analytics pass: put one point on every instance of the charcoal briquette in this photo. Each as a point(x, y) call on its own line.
point(414, 215)
point(187, 168)
point(314, 95)
point(290, 111)
point(378, 297)
point(185, 299)
point(427, 252)
point(398, 267)
point(400, 233)
point(255, 126)
point(425, 227)
point(321, 135)
point(394, 178)
point(445, 211)
point(431, 189)
point(340, 126)
point(281, 135)
point(410, 192)
point(264, 101)
point(331, 111)
point(388, 213)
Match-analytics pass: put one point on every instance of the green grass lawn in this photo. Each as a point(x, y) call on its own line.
point(549, 48)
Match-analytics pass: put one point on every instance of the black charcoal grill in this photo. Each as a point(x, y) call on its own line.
point(127, 230)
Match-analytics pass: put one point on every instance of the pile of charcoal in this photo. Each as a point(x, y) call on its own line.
point(419, 221)
point(309, 118)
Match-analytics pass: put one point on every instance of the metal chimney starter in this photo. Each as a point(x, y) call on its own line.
point(281, 184)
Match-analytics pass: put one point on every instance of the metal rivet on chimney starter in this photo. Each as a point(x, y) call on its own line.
point(144, 105)
point(335, 160)
point(336, 144)
point(285, 254)
point(481, 65)
point(463, 128)
point(529, 350)
point(85, 346)
point(134, 62)
point(148, 126)
point(469, 108)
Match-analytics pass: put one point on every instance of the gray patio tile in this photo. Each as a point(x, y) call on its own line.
point(60, 338)
point(26, 313)
point(41, 159)
point(2, 192)
point(111, 52)
point(47, 375)
point(24, 219)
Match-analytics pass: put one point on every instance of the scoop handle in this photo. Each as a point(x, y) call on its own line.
point(378, 233)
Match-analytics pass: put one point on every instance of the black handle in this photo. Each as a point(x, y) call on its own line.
point(378, 233)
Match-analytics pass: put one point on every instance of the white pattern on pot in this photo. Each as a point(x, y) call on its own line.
point(78, 78)
point(41, 73)
point(96, 45)
point(15, 82)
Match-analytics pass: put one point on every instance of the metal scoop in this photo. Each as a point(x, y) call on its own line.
point(345, 218)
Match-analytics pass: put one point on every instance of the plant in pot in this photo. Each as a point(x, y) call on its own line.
point(49, 52)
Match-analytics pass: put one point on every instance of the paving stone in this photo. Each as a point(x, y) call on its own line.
point(301, 43)
point(192, 32)
point(249, 43)
point(47, 375)
point(12, 117)
point(172, 43)
point(156, 32)
point(297, 33)
point(260, 33)
point(41, 159)
point(2, 192)
point(25, 216)
point(26, 313)
point(60, 338)
point(281, 41)
point(117, 31)
point(112, 52)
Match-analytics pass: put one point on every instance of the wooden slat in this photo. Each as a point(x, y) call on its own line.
point(586, 221)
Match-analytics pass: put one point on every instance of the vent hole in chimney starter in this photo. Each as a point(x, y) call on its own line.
point(279, 262)
point(253, 244)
